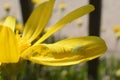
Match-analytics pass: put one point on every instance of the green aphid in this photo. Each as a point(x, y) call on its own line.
point(76, 49)
point(34, 53)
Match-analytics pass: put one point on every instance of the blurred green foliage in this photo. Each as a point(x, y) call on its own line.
point(108, 70)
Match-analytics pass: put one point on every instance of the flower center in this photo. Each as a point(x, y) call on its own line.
point(23, 44)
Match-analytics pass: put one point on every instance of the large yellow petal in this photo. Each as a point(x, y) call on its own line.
point(10, 22)
point(8, 49)
point(38, 20)
point(66, 52)
point(67, 19)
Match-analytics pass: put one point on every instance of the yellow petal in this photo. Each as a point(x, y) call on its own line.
point(67, 52)
point(8, 48)
point(39, 1)
point(38, 20)
point(67, 19)
point(10, 22)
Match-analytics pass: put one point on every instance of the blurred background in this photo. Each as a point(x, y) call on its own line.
point(109, 64)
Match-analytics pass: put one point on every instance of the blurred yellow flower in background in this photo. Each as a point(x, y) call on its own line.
point(62, 6)
point(15, 47)
point(7, 7)
point(116, 30)
point(79, 22)
point(118, 73)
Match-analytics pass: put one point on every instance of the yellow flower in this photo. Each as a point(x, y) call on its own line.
point(7, 7)
point(79, 22)
point(62, 6)
point(118, 73)
point(66, 52)
point(116, 30)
